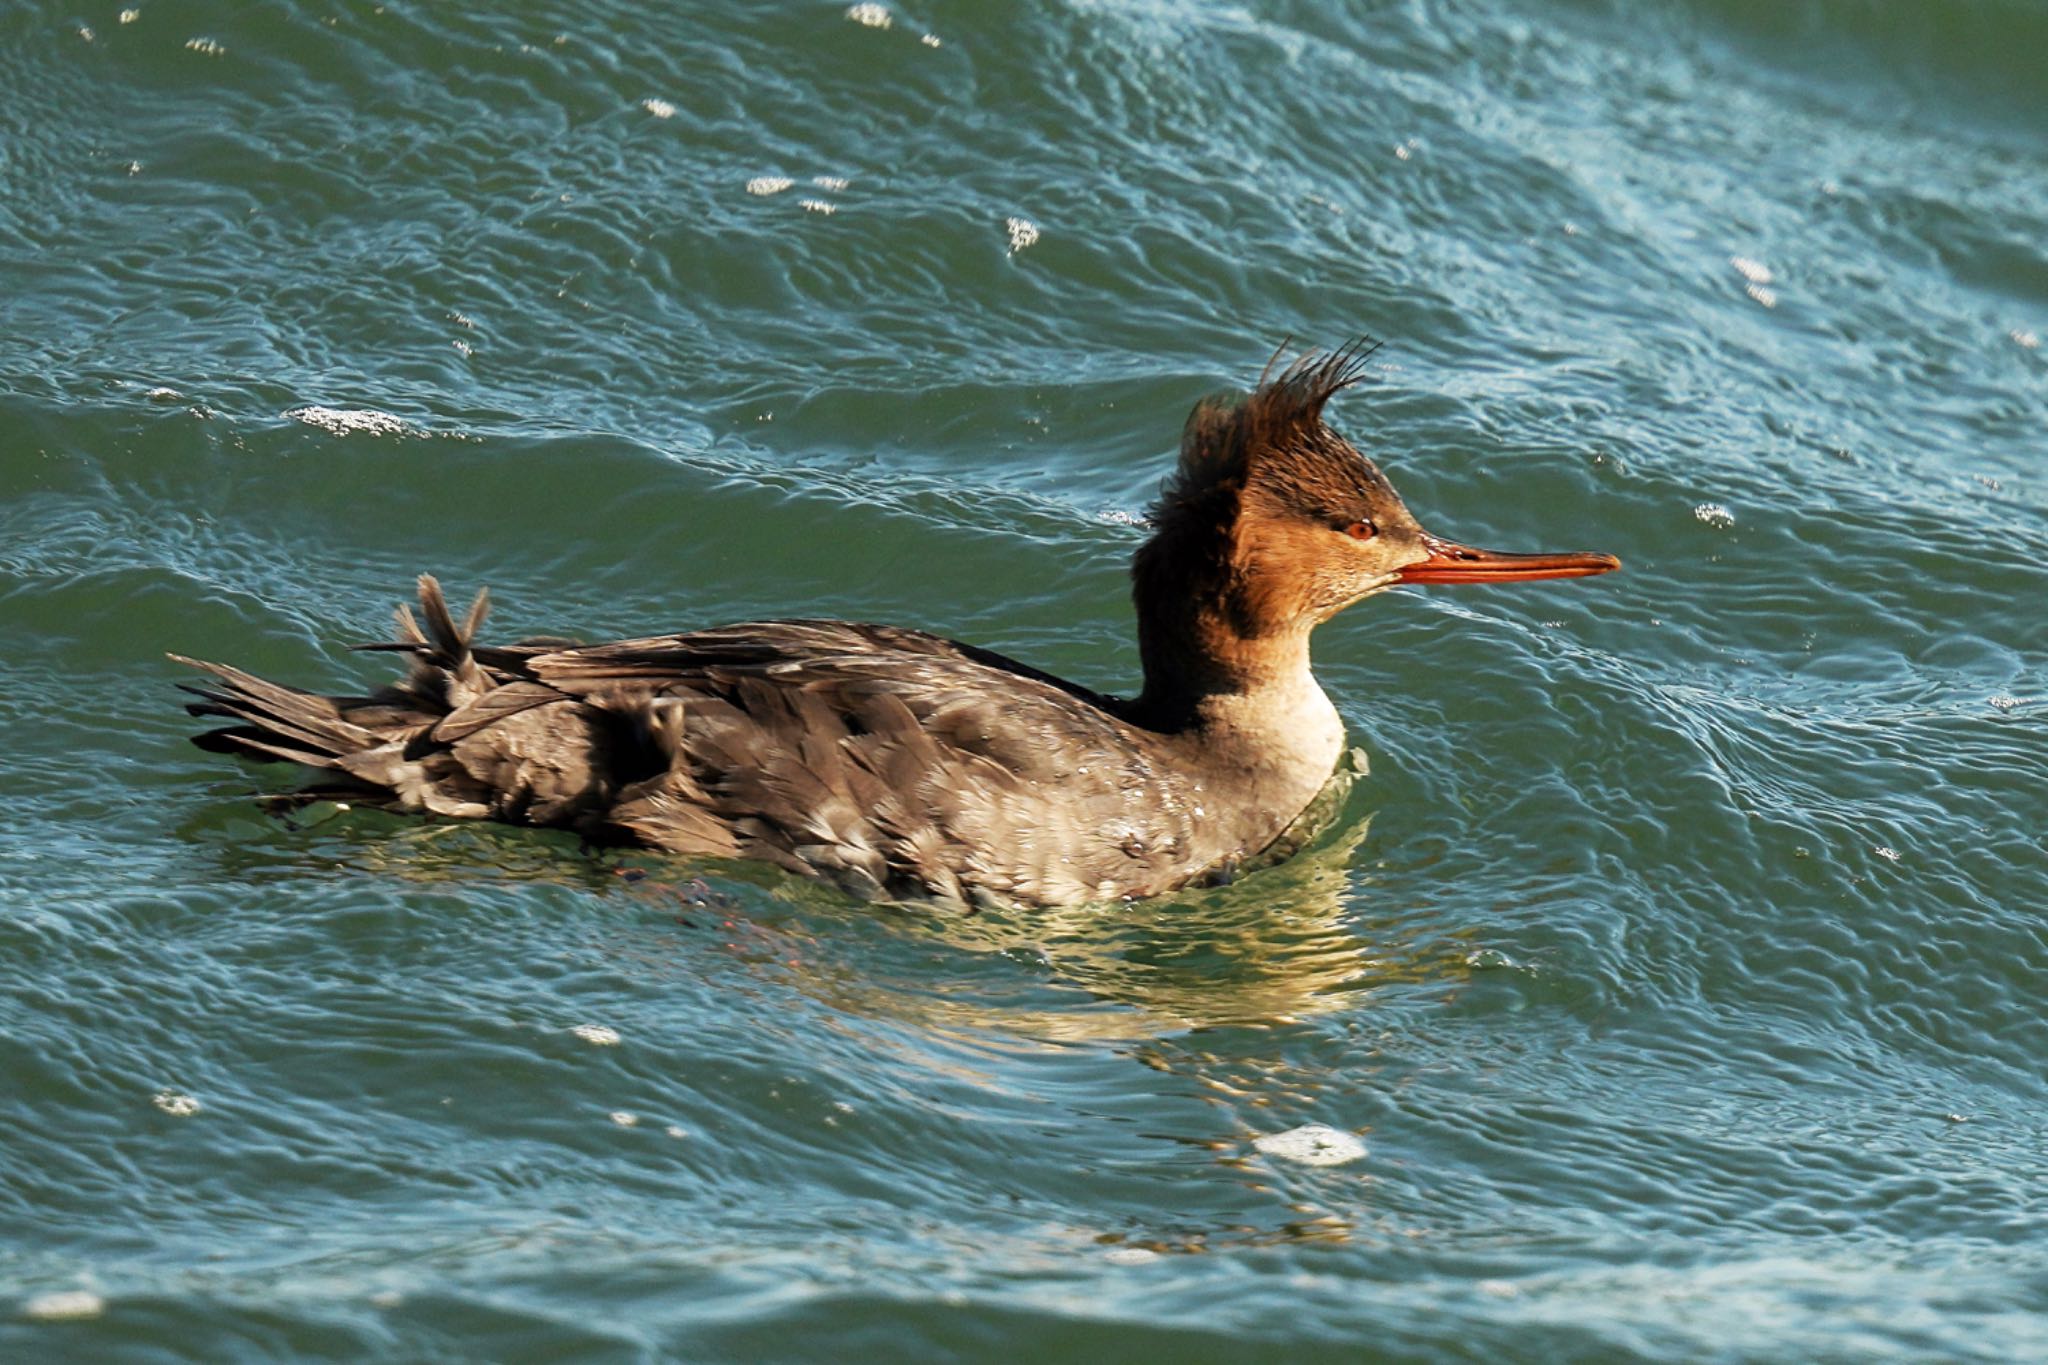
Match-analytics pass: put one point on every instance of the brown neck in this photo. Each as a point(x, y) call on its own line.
point(1201, 641)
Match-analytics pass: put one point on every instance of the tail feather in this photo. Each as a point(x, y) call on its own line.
point(273, 721)
point(463, 680)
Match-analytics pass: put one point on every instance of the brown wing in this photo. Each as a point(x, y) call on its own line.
point(890, 760)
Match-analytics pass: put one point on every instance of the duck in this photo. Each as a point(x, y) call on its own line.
point(902, 766)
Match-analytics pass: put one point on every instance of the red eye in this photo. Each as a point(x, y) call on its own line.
point(1361, 530)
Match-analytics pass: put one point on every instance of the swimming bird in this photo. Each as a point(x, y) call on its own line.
point(901, 765)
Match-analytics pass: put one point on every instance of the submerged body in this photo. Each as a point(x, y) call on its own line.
point(898, 764)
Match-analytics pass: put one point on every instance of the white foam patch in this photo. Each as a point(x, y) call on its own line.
point(1714, 515)
point(625, 1119)
point(350, 421)
point(206, 47)
point(659, 108)
point(1312, 1144)
point(769, 184)
point(1022, 232)
point(1756, 272)
point(597, 1035)
point(1130, 1255)
point(818, 206)
point(65, 1305)
point(871, 15)
point(176, 1105)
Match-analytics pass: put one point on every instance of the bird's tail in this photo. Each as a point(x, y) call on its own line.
point(330, 734)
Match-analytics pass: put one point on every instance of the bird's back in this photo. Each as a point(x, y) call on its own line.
point(893, 762)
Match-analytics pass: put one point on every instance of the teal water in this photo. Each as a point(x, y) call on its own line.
point(1677, 966)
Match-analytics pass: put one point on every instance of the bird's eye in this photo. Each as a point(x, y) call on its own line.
point(1361, 530)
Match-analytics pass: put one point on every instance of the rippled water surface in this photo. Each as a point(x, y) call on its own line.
point(1670, 988)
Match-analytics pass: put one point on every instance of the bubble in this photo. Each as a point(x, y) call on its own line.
point(871, 15)
point(1714, 515)
point(597, 1035)
point(1022, 232)
point(769, 184)
point(1129, 1255)
point(347, 421)
point(818, 206)
point(206, 47)
point(176, 1105)
point(660, 108)
point(625, 1118)
point(1312, 1144)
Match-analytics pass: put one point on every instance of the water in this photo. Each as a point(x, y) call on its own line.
point(1676, 968)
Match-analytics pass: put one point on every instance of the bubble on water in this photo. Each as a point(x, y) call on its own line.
point(1889, 854)
point(830, 182)
point(2024, 338)
point(598, 1035)
point(1499, 1289)
point(350, 421)
point(1486, 959)
point(818, 206)
point(871, 15)
point(625, 1118)
point(163, 393)
point(386, 1298)
point(85, 32)
point(1312, 1144)
point(676, 1131)
point(1130, 1255)
point(2006, 702)
point(463, 348)
point(206, 47)
point(1757, 278)
point(769, 184)
point(176, 1105)
point(64, 1305)
point(1022, 232)
point(660, 108)
point(129, 16)
point(930, 40)
point(1714, 515)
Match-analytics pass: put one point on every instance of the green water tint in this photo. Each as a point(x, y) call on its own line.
point(1677, 966)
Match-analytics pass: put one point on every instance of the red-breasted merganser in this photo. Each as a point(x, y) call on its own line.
point(901, 765)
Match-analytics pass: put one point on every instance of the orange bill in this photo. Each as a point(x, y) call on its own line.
point(1450, 562)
